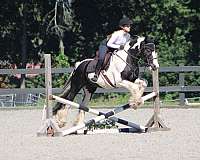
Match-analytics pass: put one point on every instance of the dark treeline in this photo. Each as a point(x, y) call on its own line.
point(28, 29)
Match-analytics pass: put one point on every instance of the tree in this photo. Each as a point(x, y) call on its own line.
point(60, 21)
point(30, 28)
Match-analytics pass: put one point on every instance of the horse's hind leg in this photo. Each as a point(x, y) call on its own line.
point(61, 110)
point(81, 114)
point(66, 93)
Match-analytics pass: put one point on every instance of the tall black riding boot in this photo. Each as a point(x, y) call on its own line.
point(97, 70)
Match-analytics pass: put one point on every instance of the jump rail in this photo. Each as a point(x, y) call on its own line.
point(136, 127)
point(101, 116)
point(50, 127)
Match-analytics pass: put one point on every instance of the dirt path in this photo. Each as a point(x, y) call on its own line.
point(18, 139)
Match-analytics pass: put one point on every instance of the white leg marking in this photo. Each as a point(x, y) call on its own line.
point(61, 116)
point(136, 89)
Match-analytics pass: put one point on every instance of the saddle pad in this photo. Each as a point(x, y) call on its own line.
point(91, 66)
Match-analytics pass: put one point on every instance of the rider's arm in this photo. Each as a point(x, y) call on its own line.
point(111, 42)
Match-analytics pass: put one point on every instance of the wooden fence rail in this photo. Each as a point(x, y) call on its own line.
point(181, 88)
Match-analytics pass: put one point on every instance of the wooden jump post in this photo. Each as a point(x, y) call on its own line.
point(49, 126)
point(156, 123)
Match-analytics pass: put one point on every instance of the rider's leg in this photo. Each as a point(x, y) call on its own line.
point(102, 52)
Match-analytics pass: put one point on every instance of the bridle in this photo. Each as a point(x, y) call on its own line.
point(148, 59)
point(134, 57)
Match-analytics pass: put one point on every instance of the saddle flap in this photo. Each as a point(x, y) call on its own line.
point(91, 66)
point(106, 61)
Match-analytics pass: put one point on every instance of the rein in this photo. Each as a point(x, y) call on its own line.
point(131, 57)
point(131, 68)
point(122, 59)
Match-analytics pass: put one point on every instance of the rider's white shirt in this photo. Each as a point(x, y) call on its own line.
point(118, 38)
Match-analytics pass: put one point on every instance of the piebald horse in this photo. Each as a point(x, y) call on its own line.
point(122, 71)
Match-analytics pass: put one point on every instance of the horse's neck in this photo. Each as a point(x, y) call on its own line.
point(119, 58)
point(122, 54)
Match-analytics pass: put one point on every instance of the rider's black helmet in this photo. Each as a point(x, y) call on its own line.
point(125, 21)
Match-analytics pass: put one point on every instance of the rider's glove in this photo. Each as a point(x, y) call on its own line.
point(121, 47)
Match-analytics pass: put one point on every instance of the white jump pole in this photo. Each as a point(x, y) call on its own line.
point(96, 112)
point(76, 105)
point(98, 118)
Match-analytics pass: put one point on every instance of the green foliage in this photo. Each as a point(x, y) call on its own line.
point(109, 99)
point(168, 97)
point(58, 80)
point(36, 82)
point(24, 34)
point(59, 61)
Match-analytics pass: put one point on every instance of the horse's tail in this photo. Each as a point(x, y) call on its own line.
point(64, 93)
point(68, 83)
point(67, 87)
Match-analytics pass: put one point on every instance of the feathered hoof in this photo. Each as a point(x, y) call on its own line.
point(59, 122)
point(135, 103)
point(141, 82)
point(61, 117)
point(78, 121)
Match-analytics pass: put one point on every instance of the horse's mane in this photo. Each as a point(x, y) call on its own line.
point(134, 42)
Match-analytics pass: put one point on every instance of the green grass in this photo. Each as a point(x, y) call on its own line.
point(110, 100)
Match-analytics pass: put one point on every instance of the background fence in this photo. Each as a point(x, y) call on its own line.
point(8, 96)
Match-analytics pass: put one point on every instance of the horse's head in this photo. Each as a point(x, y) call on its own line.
point(141, 47)
point(149, 52)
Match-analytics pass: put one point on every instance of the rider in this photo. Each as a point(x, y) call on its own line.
point(116, 42)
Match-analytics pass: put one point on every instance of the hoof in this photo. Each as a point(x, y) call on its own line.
point(61, 125)
point(61, 117)
point(59, 122)
point(140, 102)
point(133, 105)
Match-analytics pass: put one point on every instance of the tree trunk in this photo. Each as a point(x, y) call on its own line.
point(23, 52)
point(22, 98)
point(61, 46)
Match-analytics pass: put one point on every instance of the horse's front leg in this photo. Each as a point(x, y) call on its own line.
point(81, 115)
point(136, 89)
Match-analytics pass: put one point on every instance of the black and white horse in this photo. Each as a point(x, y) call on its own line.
point(123, 71)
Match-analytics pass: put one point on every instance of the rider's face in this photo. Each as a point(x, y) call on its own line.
point(126, 28)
